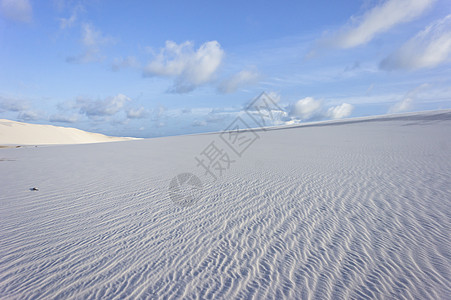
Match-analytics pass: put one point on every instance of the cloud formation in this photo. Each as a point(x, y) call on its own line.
point(137, 113)
point(60, 118)
point(25, 112)
point(190, 68)
point(266, 110)
point(306, 108)
point(92, 37)
point(406, 103)
point(101, 108)
point(69, 22)
point(309, 109)
point(122, 63)
point(28, 116)
point(429, 48)
point(377, 20)
point(341, 111)
point(239, 80)
point(8, 104)
point(16, 10)
point(92, 40)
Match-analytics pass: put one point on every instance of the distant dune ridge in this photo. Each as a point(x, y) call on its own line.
point(352, 209)
point(18, 133)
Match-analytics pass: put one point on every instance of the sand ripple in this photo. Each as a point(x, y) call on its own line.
point(356, 211)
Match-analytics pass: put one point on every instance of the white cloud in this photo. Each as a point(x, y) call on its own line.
point(69, 22)
point(428, 49)
point(306, 108)
point(310, 109)
point(138, 113)
point(92, 37)
point(92, 40)
point(379, 19)
point(122, 63)
point(16, 10)
point(239, 80)
point(406, 103)
point(190, 68)
point(403, 105)
point(341, 111)
point(99, 108)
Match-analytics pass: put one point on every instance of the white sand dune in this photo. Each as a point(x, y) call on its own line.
point(356, 209)
point(18, 133)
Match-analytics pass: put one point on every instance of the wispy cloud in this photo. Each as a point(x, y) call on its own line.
point(381, 18)
point(19, 106)
point(14, 105)
point(70, 21)
point(28, 115)
point(60, 118)
point(404, 105)
point(429, 48)
point(239, 80)
point(92, 37)
point(101, 108)
point(92, 40)
point(407, 102)
point(124, 62)
point(190, 68)
point(17, 10)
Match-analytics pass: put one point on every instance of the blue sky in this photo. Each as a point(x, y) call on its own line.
point(177, 67)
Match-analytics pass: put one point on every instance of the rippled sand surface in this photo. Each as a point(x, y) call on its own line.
point(356, 209)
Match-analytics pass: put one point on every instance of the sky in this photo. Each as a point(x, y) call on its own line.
point(161, 68)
